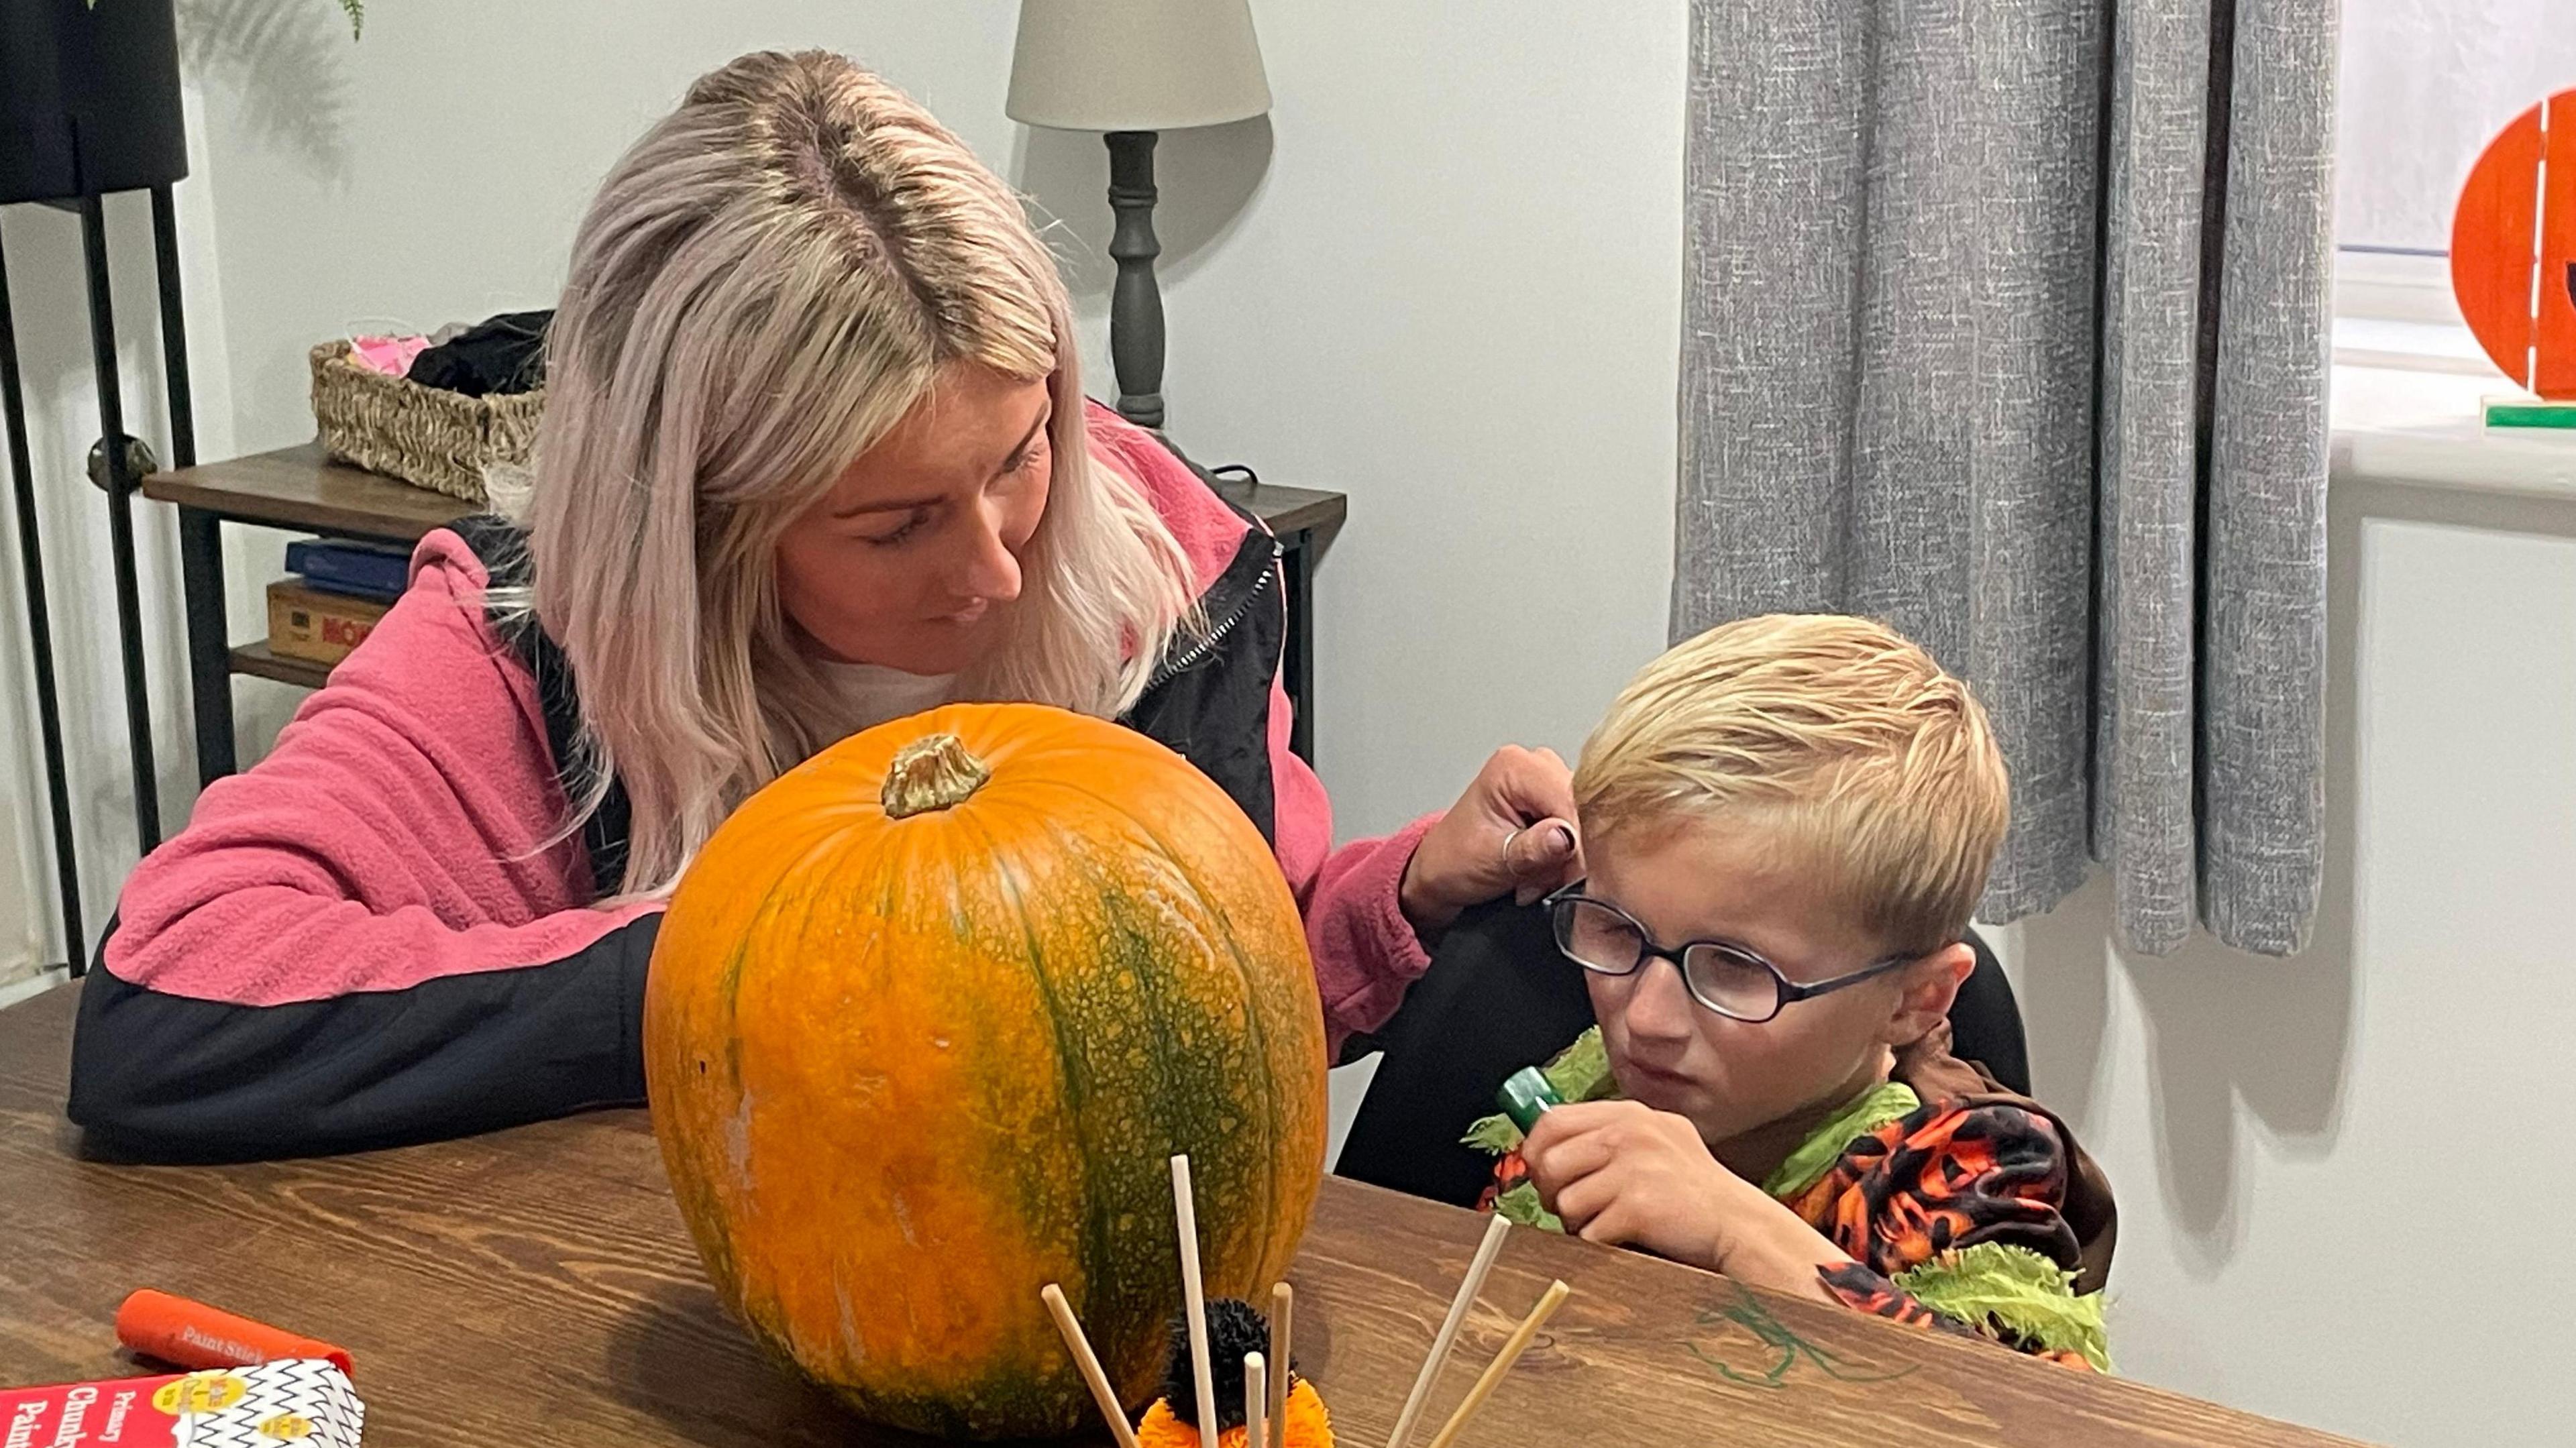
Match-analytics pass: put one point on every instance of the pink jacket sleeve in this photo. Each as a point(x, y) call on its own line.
point(403, 829)
point(374, 934)
point(1366, 952)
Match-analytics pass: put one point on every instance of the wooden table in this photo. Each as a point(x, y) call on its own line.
point(301, 489)
point(535, 1287)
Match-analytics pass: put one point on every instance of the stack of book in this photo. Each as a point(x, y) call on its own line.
point(340, 590)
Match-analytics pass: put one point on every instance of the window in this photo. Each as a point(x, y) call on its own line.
point(2425, 84)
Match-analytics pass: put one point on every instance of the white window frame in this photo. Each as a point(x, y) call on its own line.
point(2395, 309)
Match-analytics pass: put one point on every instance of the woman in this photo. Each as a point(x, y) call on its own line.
point(815, 456)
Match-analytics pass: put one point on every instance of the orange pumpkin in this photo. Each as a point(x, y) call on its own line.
point(926, 1020)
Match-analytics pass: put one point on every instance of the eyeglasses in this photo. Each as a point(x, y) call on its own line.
point(1725, 978)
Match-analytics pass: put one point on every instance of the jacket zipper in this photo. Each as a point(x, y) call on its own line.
point(1199, 652)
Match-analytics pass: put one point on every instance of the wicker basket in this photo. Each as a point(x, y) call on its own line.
point(426, 436)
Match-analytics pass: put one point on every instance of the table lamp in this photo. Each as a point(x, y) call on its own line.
point(1131, 69)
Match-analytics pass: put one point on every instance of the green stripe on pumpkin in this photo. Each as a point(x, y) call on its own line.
point(1179, 1081)
point(1108, 1222)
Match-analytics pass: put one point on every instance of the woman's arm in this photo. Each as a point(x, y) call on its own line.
point(372, 935)
point(1369, 904)
point(1365, 951)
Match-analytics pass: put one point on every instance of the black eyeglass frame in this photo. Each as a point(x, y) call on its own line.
point(1784, 993)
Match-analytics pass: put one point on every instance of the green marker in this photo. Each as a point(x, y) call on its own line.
point(1526, 1097)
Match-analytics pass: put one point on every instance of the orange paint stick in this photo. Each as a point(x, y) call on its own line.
point(190, 1334)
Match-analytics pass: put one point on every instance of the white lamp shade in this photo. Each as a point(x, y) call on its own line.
point(1136, 65)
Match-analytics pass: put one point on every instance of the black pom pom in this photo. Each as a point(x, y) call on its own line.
point(1235, 1327)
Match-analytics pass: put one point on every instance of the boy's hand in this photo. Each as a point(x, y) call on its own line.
point(1622, 1173)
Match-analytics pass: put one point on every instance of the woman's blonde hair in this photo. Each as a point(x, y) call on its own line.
point(1856, 757)
point(766, 283)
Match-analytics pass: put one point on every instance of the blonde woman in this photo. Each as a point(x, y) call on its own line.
point(816, 456)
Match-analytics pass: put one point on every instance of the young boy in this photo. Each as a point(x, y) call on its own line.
point(1787, 822)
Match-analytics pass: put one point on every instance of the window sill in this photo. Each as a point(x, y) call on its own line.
point(2419, 421)
point(2413, 346)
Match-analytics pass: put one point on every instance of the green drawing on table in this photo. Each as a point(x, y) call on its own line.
point(1749, 1314)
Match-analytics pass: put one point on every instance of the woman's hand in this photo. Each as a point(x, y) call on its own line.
point(1622, 1173)
point(1512, 833)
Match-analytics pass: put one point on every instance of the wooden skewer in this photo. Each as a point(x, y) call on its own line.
point(1185, 1215)
point(1283, 1304)
point(1474, 1282)
point(1256, 1401)
point(1070, 1329)
point(1513, 1347)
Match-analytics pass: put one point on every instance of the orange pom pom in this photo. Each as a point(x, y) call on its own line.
point(1308, 1425)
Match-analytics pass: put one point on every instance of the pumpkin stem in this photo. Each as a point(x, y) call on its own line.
point(929, 774)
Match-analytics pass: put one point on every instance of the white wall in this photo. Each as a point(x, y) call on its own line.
point(1444, 277)
point(22, 905)
point(1456, 296)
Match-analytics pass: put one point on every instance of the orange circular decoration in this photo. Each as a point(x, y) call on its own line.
point(2513, 249)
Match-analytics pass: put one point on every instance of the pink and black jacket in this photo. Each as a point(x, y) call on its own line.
point(368, 937)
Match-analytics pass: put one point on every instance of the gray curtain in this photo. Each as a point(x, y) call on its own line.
point(2005, 321)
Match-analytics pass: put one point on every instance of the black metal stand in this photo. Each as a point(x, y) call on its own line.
point(174, 330)
point(120, 481)
point(210, 674)
point(120, 523)
point(1135, 303)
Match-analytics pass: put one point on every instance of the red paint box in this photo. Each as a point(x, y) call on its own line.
point(291, 1403)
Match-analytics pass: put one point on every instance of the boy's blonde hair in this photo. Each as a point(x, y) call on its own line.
point(1868, 765)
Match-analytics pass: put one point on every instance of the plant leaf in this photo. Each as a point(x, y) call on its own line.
point(1520, 1206)
point(2016, 1289)
point(1803, 1168)
point(1495, 1134)
point(1581, 1072)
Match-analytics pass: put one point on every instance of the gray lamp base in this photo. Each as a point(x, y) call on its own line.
point(1136, 304)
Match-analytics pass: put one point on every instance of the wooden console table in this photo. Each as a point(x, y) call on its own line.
point(302, 490)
